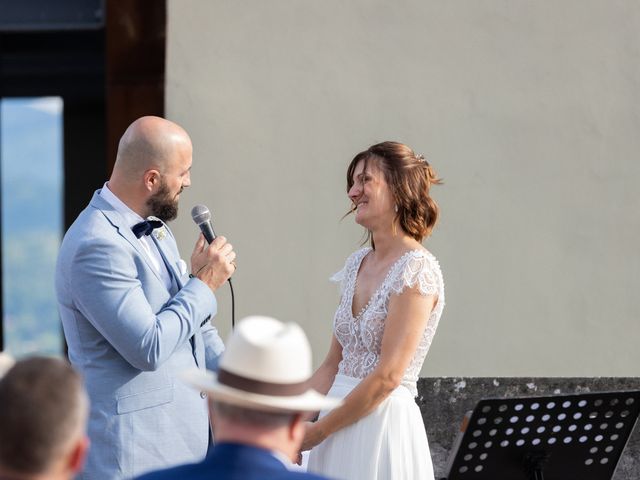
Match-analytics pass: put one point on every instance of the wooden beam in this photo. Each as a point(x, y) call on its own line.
point(135, 72)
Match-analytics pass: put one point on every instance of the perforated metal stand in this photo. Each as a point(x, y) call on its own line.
point(546, 438)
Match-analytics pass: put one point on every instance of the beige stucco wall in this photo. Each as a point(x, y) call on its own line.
point(530, 110)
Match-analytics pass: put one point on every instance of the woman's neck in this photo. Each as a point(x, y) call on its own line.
point(388, 245)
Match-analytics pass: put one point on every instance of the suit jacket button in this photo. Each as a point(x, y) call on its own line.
point(203, 395)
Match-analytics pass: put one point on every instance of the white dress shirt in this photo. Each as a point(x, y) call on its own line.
point(148, 245)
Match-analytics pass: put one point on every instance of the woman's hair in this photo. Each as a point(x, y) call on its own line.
point(409, 177)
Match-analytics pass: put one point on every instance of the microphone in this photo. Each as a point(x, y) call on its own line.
point(202, 217)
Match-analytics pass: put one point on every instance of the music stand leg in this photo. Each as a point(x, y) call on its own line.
point(534, 465)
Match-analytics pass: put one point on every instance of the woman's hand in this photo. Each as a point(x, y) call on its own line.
point(313, 436)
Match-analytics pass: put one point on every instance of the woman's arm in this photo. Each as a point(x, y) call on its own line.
point(407, 318)
point(323, 377)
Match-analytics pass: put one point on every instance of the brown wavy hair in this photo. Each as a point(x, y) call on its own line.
point(409, 177)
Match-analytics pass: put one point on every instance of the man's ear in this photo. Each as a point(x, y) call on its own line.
point(296, 428)
point(152, 179)
point(78, 454)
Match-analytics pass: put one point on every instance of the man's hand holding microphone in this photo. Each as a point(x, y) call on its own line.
point(213, 258)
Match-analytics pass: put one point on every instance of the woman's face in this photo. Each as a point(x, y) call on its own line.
point(371, 196)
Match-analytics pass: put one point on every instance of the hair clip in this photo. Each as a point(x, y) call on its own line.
point(421, 158)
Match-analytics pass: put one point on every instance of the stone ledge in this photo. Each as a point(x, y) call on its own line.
point(444, 401)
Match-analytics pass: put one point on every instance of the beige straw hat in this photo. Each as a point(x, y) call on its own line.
point(266, 366)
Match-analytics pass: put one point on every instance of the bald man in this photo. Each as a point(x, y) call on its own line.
point(134, 315)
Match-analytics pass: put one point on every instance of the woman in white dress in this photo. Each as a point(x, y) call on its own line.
point(392, 296)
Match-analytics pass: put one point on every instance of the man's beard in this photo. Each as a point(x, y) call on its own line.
point(161, 204)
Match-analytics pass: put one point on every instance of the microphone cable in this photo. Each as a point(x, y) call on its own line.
point(233, 305)
point(202, 217)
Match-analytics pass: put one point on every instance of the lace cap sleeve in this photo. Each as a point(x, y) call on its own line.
point(420, 270)
point(338, 278)
point(342, 276)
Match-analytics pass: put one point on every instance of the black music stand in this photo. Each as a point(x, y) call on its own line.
point(546, 438)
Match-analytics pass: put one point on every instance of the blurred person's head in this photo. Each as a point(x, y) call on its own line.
point(153, 167)
point(43, 416)
point(262, 388)
point(6, 362)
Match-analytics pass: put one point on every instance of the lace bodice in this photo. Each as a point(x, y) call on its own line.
point(361, 336)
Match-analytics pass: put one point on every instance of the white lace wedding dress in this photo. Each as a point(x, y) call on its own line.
point(391, 442)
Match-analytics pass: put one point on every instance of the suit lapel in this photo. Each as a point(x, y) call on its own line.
point(197, 344)
point(175, 275)
point(123, 229)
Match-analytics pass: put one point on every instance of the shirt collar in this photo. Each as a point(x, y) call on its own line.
point(129, 215)
point(281, 457)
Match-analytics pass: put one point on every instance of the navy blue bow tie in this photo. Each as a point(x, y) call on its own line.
point(146, 227)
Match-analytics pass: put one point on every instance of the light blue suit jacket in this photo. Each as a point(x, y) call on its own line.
point(129, 336)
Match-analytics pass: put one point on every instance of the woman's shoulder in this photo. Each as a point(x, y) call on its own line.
point(418, 267)
point(352, 260)
point(356, 257)
point(423, 257)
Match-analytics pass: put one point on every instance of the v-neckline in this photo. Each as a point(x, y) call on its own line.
point(362, 311)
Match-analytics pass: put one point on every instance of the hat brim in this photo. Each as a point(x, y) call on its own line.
point(310, 401)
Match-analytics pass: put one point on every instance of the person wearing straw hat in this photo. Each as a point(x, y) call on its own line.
point(257, 401)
